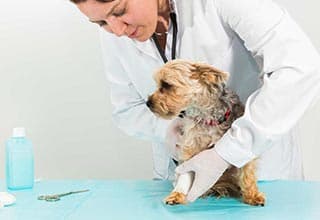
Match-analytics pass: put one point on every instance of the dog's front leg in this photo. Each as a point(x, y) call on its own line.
point(182, 187)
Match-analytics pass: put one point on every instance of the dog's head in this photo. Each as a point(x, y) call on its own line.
point(183, 83)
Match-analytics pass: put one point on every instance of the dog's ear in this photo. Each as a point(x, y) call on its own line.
point(208, 75)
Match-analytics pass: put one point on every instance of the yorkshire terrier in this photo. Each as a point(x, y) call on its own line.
point(197, 93)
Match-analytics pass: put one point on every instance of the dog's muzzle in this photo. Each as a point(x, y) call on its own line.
point(182, 114)
point(149, 103)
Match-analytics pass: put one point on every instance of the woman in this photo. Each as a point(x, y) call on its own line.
point(273, 67)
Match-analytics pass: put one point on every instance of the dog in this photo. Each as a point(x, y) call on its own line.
point(197, 93)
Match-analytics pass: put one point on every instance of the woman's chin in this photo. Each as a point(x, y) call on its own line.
point(142, 38)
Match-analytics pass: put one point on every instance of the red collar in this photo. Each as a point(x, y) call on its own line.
point(211, 122)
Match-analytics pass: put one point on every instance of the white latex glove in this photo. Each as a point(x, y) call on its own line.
point(173, 135)
point(207, 166)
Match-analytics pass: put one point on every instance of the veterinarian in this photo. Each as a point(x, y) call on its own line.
point(273, 67)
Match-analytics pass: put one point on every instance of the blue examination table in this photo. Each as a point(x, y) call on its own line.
point(142, 199)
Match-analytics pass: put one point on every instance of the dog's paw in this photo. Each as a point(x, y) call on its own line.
point(257, 199)
point(175, 198)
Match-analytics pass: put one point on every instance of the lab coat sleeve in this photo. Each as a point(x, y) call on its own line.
point(130, 112)
point(291, 76)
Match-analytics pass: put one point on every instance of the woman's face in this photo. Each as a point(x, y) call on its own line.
point(136, 19)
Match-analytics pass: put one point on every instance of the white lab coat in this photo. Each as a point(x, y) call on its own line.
point(272, 64)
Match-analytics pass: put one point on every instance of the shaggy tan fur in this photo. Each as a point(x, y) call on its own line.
point(198, 91)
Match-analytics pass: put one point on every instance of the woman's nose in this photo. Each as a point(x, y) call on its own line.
point(116, 26)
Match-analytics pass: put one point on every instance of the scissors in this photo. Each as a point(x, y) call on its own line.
point(57, 197)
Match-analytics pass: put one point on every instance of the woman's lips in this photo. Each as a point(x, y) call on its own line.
point(134, 33)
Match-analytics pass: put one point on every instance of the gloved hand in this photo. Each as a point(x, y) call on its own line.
point(173, 135)
point(207, 166)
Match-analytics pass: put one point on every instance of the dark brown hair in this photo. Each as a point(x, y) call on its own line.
point(79, 1)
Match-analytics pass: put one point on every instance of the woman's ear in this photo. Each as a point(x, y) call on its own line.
point(208, 75)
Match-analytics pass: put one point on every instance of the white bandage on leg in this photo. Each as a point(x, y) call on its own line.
point(184, 183)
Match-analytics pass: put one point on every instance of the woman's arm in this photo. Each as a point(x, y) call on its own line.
point(291, 79)
point(130, 112)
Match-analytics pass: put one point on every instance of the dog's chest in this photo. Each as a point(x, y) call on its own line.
point(196, 138)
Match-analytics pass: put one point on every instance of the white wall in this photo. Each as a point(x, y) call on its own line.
point(52, 83)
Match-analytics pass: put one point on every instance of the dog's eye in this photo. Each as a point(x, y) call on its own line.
point(165, 85)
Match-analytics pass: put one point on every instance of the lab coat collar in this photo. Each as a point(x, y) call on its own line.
point(147, 47)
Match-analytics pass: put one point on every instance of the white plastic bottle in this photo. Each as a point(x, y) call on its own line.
point(19, 161)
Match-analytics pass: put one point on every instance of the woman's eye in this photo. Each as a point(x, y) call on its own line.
point(120, 13)
point(101, 23)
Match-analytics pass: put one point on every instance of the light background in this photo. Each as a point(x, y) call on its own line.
point(52, 83)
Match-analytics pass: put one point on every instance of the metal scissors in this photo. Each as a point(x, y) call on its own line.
point(57, 197)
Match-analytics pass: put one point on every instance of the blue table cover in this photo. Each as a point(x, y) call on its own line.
point(142, 199)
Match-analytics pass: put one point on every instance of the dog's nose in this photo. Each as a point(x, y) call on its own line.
point(149, 103)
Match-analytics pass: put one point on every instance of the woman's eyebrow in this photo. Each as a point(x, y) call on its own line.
point(108, 14)
point(112, 9)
